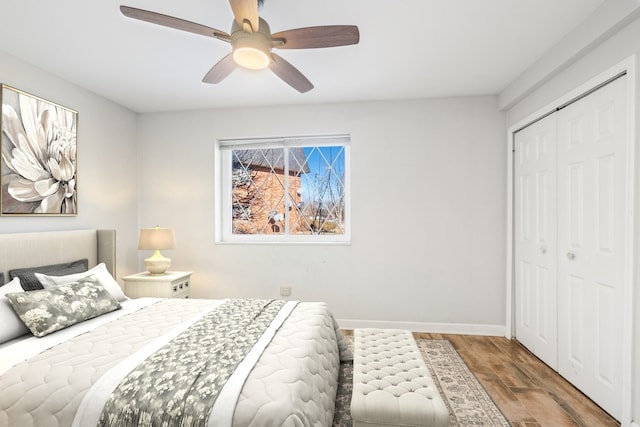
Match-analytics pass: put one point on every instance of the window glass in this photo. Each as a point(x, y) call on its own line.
point(285, 190)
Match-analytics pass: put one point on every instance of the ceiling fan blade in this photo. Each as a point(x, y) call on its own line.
point(172, 22)
point(221, 70)
point(290, 74)
point(246, 9)
point(316, 37)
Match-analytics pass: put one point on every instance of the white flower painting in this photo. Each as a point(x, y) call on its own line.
point(38, 168)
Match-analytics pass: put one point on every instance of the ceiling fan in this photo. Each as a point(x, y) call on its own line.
point(251, 41)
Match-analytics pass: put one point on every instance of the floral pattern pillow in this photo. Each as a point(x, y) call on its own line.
point(49, 310)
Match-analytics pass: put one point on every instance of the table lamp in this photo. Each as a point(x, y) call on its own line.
point(156, 239)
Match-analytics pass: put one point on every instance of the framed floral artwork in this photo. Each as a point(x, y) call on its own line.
point(38, 172)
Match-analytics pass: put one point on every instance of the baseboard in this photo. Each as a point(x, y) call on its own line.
point(436, 328)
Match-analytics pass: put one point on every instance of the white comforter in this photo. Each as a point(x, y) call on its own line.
point(293, 383)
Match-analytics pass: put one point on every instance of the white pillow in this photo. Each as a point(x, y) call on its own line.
point(100, 271)
point(10, 324)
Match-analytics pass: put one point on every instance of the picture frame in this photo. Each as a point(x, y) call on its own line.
point(38, 168)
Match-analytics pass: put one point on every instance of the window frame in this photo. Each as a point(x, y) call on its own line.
point(223, 189)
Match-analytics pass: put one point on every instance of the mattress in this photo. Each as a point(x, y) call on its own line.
point(52, 381)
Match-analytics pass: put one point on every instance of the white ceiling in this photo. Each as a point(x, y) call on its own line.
point(408, 48)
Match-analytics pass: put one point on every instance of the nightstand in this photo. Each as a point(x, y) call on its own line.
point(172, 284)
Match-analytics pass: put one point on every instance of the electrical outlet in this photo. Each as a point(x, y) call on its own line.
point(285, 291)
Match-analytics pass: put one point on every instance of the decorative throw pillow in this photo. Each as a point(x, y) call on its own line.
point(49, 310)
point(30, 283)
point(10, 324)
point(100, 271)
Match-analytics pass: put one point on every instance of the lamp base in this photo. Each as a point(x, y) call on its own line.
point(157, 264)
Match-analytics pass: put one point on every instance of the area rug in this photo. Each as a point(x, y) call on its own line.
point(468, 403)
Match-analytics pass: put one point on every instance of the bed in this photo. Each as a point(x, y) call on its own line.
point(91, 356)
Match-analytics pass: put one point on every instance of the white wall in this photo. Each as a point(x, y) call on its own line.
point(428, 215)
point(614, 50)
point(106, 160)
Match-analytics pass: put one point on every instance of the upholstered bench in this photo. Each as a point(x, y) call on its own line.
point(392, 385)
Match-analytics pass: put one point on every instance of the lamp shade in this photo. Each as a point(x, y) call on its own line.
point(157, 238)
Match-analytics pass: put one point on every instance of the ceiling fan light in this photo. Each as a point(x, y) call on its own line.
point(251, 58)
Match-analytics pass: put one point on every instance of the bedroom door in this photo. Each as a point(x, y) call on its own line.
point(571, 194)
point(536, 258)
point(591, 242)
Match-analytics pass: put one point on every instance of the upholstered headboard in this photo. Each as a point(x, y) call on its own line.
point(22, 250)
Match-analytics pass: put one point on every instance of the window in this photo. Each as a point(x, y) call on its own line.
point(283, 190)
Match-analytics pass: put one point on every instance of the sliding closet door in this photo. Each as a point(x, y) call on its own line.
point(535, 234)
point(591, 227)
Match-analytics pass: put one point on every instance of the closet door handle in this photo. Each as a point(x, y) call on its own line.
point(543, 250)
point(571, 255)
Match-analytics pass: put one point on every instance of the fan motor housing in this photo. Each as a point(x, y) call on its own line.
point(251, 49)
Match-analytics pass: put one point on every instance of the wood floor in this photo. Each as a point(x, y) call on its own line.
point(527, 391)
